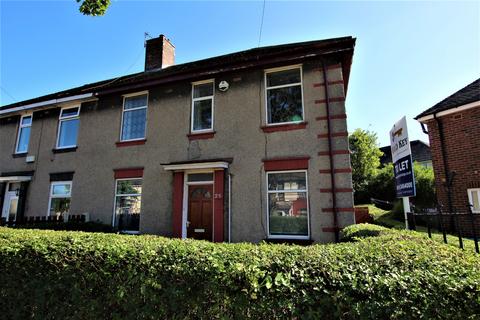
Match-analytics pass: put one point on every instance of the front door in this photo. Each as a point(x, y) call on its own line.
point(10, 204)
point(200, 212)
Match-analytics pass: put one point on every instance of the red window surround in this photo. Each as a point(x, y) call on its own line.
point(284, 127)
point(130, 143)
point(295, 163)
point(201, 136)
point(128, 173)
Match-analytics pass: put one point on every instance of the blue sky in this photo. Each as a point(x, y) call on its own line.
point(409, 55)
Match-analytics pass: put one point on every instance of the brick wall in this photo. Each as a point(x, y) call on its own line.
point(462, 148)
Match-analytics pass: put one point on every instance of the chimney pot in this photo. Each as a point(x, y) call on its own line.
point(159, 53)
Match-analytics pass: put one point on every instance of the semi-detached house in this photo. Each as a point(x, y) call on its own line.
point(246, 146)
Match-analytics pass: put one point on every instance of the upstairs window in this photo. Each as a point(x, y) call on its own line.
point(474, 199)
point(287, 204)
point(68, 127)
point(284, 95)
point(23, 137)
point(134, 117)
point(202, 106)
point(60, 194)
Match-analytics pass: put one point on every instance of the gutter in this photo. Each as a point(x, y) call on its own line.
point(47, 103)
point(449, 111)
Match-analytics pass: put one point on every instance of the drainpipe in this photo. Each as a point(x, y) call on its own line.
point(229, 207)
point(330, 152)
point(449, 179)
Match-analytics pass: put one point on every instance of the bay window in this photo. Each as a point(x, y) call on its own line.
point(288, 215)
point(60, 195)
point(23, 137)
point(202, 106)
point(134, 117)
point(128, 200)
point(284, 95)
point(68, 127)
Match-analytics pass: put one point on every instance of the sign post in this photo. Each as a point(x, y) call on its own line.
point(402, 164)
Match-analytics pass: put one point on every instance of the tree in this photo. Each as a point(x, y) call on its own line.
point(93, 7)
point(365, 158)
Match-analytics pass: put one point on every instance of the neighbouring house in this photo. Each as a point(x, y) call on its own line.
point(453, 127)
point(420, 154)
point(246, 146)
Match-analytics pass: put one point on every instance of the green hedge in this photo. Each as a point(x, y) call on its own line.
point(379, 274)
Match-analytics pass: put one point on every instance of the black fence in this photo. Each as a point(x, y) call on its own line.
point(38, 220)
point(463, 225)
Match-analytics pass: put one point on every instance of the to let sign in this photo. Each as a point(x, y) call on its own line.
point(402, 159)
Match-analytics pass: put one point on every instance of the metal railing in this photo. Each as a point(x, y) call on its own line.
point(463, 225)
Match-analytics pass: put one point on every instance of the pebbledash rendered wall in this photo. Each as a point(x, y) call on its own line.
point(239, 115)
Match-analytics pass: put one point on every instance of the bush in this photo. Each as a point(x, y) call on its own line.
point(380, 274)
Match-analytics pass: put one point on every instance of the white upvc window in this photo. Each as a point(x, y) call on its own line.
point(284, 95)
point(288, 208)
point(134, 117)
point(474, 199)
point(60, 196)
point(202, 106)
point(23, 136)
point(128, 204)
point(68, 123)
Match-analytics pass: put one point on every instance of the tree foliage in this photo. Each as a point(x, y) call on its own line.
point(93, 7)
point(365, 157)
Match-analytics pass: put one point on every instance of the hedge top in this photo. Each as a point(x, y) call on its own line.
point(380, 273)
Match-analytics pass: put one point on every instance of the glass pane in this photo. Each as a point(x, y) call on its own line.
point(14, 186)
point(287, 181)
point(129, 186)
point(135, 102)
point(68, 133)
point(283, 77)
point(203, 90)
point(127, 210)
point(476, 200)
point(59, 206)
point(200, 177)
point(61, 189)
point(202, 115)
point(134, 124)
point(23, 140)
point(69, 112)
point(284, 104)
point(26, 121)
point(288, 213)
point(12, 211)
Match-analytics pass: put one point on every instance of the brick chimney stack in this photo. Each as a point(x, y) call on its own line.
point(159, 53)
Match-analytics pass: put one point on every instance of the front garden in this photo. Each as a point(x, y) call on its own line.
point(376, 273)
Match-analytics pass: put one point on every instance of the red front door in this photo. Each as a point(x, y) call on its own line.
point(200, 212)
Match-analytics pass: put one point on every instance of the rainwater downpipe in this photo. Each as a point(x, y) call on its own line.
point(444, 159)
point(330, 152)
point(229, 207)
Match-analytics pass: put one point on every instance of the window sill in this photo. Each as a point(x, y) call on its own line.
point(130, 143)
point(302, 242)
point(284, 127)
point(65, 150)
point(20, 155)
point(201, 135)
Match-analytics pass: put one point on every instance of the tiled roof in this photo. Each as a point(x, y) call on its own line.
point(470, 93)
point(420, 152)
point(228, 62)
